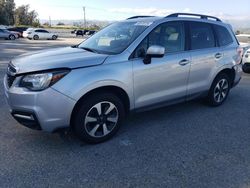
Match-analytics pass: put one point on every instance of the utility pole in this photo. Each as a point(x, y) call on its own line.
point(49, 21)
point(84, 12)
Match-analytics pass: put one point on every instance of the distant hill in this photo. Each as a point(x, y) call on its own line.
point(242, 25)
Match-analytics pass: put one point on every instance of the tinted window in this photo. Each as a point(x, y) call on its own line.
point(223, 35)
point(41, 31)
point(201, 35)
point(169, 35)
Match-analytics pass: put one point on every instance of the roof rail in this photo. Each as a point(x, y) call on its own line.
point(197, 15)
point(134, 17)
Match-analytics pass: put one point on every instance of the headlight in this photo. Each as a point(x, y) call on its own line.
point(41, 81)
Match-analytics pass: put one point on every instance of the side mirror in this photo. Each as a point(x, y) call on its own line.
point(154, 52)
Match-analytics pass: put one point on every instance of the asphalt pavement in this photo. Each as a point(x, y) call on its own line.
point(185, 145)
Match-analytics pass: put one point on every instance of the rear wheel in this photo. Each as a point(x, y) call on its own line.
point(54, 37)
point(99, 117)
point(35, 37)
point(12, 37)
point(219, 90)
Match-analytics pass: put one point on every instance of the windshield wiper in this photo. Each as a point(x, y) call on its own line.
point(89, 49)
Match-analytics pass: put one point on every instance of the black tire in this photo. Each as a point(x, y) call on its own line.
point(246, 68)
point(54, 37)
point(89, 131)
point(35, 37)
point(12, 37)
point(219, 90)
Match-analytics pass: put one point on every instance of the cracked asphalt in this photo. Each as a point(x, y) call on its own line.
point(185, 145)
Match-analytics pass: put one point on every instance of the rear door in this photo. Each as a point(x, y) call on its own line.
point(46, 34)
point(2, 34)
point(39, 33)
point(205, 56)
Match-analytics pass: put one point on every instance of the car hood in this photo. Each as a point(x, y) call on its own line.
point(67, 57)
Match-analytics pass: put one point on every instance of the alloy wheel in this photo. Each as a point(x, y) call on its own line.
point(101, 119)
point(221, 90)
point(12, 37)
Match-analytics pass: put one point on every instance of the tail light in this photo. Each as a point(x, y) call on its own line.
point(240, 55)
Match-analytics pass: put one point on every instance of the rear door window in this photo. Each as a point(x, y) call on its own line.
point(44, 31)
point(201, 36)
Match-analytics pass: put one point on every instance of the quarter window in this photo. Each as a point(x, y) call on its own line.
point(223, 35)
point(201, 36)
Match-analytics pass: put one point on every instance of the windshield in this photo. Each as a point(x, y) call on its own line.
point(115, 38)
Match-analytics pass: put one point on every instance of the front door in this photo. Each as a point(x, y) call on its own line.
point(165, 79)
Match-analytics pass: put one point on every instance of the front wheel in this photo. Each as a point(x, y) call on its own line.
point(219, 90)
point(99, 117)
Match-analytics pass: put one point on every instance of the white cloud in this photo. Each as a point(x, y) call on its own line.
point(146, 11)
point(164, 12)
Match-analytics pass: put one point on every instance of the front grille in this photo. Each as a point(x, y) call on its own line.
point(10, 80)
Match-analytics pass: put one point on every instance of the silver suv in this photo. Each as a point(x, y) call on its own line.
point(136, 64)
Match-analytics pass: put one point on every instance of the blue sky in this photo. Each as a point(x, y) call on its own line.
point(117, 10)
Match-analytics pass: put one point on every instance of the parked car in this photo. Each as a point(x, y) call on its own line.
point(137, 64)
point(246, 61)
point(244, 46)
point(81, 32)
point(91, 32)
point(19, 30)
point(4, 33)
point(37, 34)
point(73, 32)
point(25, 33)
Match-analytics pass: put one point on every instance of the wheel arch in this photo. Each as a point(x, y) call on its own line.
point(230, 72)
point(118, 91)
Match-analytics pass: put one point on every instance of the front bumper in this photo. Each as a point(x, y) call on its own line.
point(46, 110)
point(28, 119)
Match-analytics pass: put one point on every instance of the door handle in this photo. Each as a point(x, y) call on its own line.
point(218, 56)
point(184, 62)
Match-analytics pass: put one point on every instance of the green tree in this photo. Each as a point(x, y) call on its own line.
point(25, 17)
point(21, 15)
point(7, 9)
point(2, 12)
